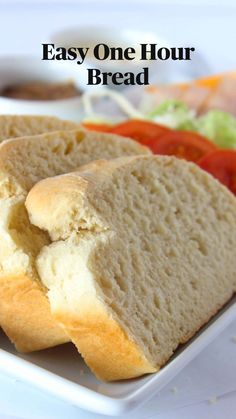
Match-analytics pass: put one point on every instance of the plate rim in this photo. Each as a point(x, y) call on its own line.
point(96, 402)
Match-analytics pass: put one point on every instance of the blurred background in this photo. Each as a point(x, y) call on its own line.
point(207, 25)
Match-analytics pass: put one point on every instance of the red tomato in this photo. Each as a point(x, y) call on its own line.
point(184, 144)
point(222, 165)
point(97, 127)
point(146, 133)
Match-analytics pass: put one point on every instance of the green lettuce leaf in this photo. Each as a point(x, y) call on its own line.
point(220, 127)
point(174, 114)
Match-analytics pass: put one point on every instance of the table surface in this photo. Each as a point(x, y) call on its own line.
point(210, 27)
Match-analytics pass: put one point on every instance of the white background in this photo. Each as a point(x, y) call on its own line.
point(210, 27)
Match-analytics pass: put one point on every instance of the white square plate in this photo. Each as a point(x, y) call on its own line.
point(62, 372)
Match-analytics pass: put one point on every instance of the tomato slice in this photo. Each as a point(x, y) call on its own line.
point(97, 127)
point(184, 144)
point(222, 165)
point(146, 133)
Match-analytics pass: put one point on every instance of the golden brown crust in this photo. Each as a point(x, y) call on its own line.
point(109, 352)
point(25, 315)
point(47, 197)
point(54, 151)
point(106, 348)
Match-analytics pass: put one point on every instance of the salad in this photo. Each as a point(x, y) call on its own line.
point(173, 128)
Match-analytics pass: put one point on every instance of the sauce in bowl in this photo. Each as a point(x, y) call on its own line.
point(38, 90)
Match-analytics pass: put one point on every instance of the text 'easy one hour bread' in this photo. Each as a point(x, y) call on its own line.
point(143, 254)
point(24, 309)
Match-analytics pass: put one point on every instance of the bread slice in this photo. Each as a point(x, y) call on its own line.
point(12, 126)
point(143, 254)
point(24, 309)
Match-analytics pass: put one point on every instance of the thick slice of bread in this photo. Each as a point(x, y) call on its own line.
point(24, 309)
point(144, 254)
point(12, 126)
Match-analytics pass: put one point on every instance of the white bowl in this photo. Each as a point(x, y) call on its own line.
point(22, 69)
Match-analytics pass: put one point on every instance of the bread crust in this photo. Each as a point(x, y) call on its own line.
point(108, 351)
point(14, 126)
point(102, 340)
point(29, 329)
point(25, 311)
point(47, 197)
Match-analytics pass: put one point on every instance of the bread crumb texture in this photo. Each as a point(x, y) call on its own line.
point(143, 255)
point(23, 162)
